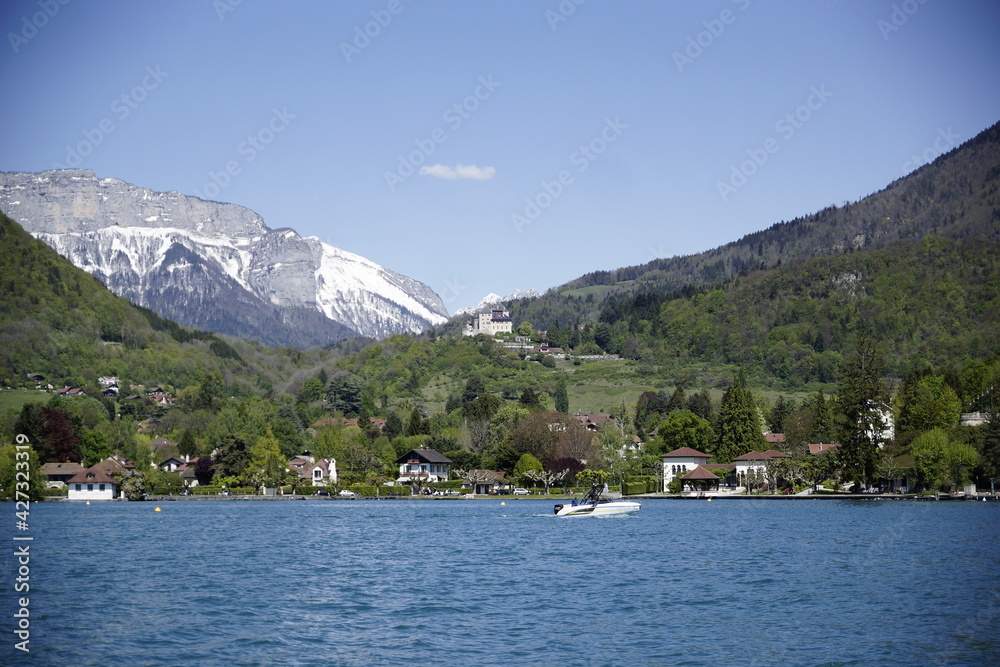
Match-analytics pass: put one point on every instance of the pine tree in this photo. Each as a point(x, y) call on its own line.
point(822, 419)
point(861, 397)
point(677, 401)
point(739, 426)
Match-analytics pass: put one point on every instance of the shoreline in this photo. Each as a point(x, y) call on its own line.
point(659, 496)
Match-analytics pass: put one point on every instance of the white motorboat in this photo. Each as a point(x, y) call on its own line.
point(593, 504)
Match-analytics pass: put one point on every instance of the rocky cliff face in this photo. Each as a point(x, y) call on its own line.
point(215, 266)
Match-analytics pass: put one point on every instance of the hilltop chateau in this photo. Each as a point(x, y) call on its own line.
point(490, 320)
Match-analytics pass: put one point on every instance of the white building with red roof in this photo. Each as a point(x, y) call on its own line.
point(96, 482)
point(681, 461)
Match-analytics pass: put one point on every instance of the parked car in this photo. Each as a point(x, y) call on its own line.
point(347, 493)
point(321, 492)
point(503, 492)
point(521, 492)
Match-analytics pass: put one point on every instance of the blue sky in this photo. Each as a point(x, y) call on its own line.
point(555, 138)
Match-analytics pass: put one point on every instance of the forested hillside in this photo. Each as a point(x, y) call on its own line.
point(954, 197)
point(930, 302)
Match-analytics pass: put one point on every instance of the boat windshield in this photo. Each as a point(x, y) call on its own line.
point(594, 495)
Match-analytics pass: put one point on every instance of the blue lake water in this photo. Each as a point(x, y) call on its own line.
point(476, 582)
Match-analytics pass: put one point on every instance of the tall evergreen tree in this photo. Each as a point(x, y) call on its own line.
point(701, 405)
point(822, 419)
point(187, 445)
point(862, 396)
point(562, 396)
point(677, 401)
point(739, 429)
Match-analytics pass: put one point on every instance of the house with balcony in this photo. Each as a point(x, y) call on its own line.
point(421, 466)
point(320, 473)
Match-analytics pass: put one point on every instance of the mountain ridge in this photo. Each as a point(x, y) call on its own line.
point(215, 265)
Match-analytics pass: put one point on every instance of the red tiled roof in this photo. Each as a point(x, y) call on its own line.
point(686, 453)
point(95, 474)
point(774, 454)
point(774, 437)
point(820, 447)
point(700, 472)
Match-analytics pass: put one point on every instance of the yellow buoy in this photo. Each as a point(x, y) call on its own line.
point(157, 509)
point(88, 502)
point(502, 503)
point(709, 500)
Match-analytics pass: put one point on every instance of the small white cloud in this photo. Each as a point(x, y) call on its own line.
point(459, 171)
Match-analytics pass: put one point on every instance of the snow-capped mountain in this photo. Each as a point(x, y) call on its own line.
point(493, 298)
point(215, 266)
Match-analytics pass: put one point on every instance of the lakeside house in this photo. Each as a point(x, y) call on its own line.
point(421, 466)
point(57, 474)
point(485, 482)
point(97, 481)
point(681, 461)
point(753, 465)
point(320, 473)
point(170, 464)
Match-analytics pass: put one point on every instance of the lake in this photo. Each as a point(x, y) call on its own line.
point(477, 582)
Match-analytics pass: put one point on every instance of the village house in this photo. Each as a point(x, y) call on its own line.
point(320, 473)
point(681, 461)
point(820, 447)
point(57, 474)
point(422, 466)
point(171, 464)
point(109, 381)
point(485, 482)
point(752, 466)
point(97, 481)
point(593, 422)
point(490, 321)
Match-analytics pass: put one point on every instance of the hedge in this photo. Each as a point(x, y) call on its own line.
point(55, 493)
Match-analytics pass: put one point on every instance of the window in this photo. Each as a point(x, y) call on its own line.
point(90, 487)
point(101, 487)
point(78, 486)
